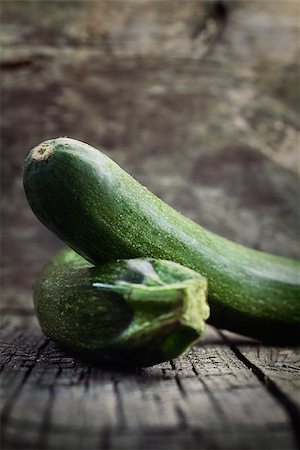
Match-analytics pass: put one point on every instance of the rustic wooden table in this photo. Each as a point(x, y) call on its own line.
point(198, 100)
point(227, 393)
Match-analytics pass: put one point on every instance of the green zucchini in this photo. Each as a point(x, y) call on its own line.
point(104, 214)
point(135, 312)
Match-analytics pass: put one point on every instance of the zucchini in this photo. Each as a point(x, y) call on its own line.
point(126, 313)
point(104, 214)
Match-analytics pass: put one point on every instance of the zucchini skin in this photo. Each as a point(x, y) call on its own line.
point(104, 214)
point(127, 313)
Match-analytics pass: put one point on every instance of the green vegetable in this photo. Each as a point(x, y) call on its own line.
point(135, 312)
point(104, 214)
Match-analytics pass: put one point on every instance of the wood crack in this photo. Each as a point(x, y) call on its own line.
point(218, 15)
point(120, 408)
point(290, 407)
point(46, 423)
point(10, 401)
point(209, 393)
point(177, 380)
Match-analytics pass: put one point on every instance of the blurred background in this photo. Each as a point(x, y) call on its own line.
point(198, 100)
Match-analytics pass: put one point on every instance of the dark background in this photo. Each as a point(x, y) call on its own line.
point(197, 100)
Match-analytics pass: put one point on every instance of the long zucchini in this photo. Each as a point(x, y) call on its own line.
point(104, 214)
point(126, 313)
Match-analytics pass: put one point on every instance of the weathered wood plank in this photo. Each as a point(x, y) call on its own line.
point(278, 368)
point(118, 27)
point(279, 364)
point(206, 399)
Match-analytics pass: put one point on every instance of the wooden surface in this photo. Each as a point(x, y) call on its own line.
point(199, 100)
point(227, 393)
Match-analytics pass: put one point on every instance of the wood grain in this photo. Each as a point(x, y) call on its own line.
point(206, 399)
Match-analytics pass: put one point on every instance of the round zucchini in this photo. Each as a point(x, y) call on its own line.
point(104, 214)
